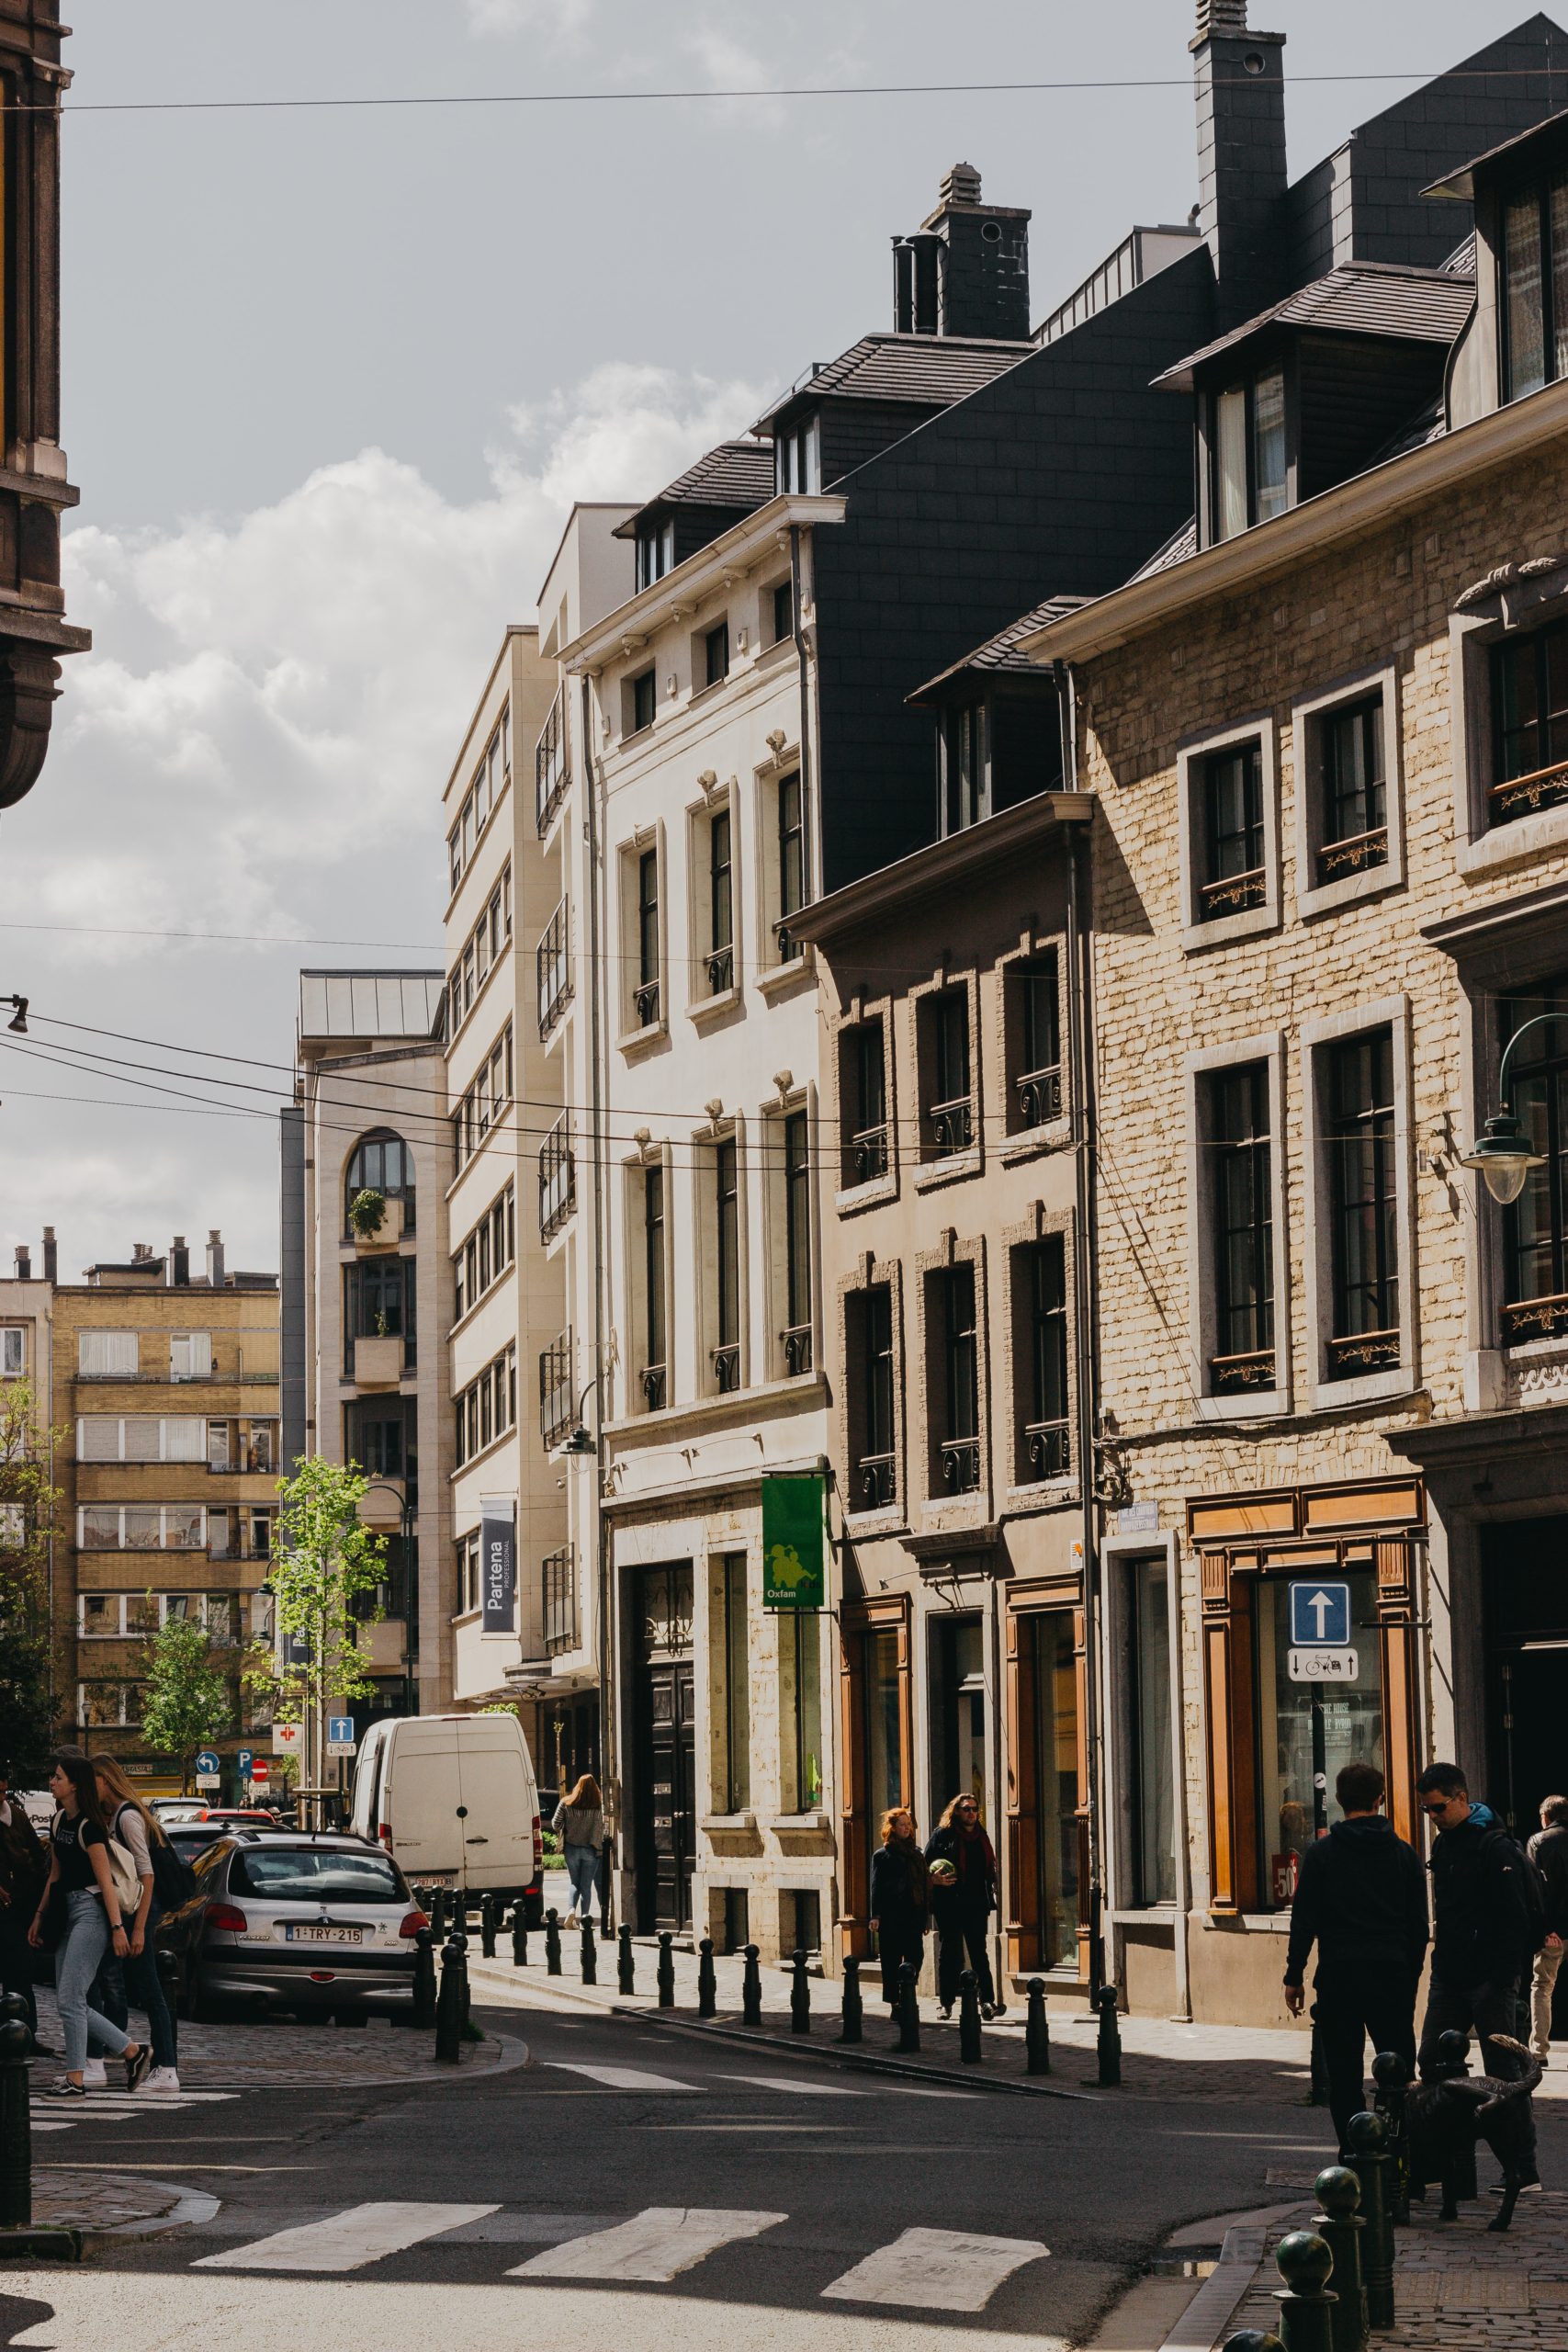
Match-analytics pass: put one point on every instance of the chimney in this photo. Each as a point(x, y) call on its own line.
point(24, 1264)
point(139, 1253)
point(1240, 80)
point(177, 1274)
point(965, 270)
point(215, 1259)
point(50, 1255)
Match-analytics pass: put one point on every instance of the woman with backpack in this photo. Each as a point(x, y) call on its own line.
point(578, 1820)
point(80, 1915)
point(140, 1833)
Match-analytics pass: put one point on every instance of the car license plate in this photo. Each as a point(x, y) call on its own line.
point(434, 1878)
point(314, 1935)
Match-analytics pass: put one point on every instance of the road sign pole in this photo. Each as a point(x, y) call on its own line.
point(1319, 1767)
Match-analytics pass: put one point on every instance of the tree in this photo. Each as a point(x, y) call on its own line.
point(189, 1700)
point(29, 1501)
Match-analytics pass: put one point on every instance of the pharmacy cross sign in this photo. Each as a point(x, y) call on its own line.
point(1320, 1615)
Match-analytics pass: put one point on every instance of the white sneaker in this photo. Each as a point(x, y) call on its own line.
point(161, 2078)
point(93, 2076)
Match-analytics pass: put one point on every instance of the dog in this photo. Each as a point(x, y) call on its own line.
point(1445, 2119)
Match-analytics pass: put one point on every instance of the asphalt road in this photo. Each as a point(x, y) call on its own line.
point(654, 2181)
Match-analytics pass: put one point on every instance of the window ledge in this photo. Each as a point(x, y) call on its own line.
point(871, 1195)
point(1027, 1143)
point(465, 1617)
point(702, 693)
point(727, 1825)
point(800, 1824)
point(1255, 1923)
point(634, 1043)
point(1511, 845)
point(953, 1170)
point(1373, 884)
point(1046, 1494)
point(1536, 1350)
point(1327, 1396)
point(1253, 1404)
point(869, 1524)
point(709, 1008)
point(507, 1437)
point(781, 980)
point(637, 734)
point(1250, 924)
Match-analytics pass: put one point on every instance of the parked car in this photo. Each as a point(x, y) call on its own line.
point(190, 1838)
point(251, 1817)
point(170, 1809)
point(316, 1925)
point(454, 1800)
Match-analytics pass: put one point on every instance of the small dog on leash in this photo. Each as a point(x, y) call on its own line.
point(1444, 2121)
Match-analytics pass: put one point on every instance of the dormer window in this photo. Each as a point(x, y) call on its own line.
point(1535, 287)
point(797, 456)
point(1249, 470)
point(963, 748)
point(655, 552)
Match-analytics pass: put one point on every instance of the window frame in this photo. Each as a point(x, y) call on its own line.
point(1518, 609)
point(1508, 1010)
point(1551, 257)
point(1246, 388)
point(940, 1158)
point(1203, 1067)
point(714, 985)
point(1201, 932)
point(644, 926)
point(1325, 1393)
point(1307, 719)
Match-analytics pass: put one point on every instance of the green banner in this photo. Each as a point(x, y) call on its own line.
point(795, 1544)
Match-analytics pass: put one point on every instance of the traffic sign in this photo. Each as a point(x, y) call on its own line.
point(207, 1761)
point(208, 1780)
point(340, 1731)
point(243, 1760)
point(260, 1773)
point(1323, 1666)
point(287, 1739)
point(1320, 1614)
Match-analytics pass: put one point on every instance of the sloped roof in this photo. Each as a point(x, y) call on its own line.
point(368, 1004)
point(1462, 182)
point(933, 370)
point(1001, 653)
point(1360, 297)
point(738, 474)
point(1177, 548)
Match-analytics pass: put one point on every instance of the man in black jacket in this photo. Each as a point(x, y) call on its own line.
point(1548, 1851)
point(24, 1866)
point(1361, 1898)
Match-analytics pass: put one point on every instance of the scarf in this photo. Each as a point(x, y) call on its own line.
point(973, 1846)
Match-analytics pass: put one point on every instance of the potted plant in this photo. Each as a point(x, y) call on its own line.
point(367, 1213)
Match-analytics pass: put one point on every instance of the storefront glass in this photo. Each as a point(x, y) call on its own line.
point(1307, 1728)
point(883, 1744)
point(1056, 1766)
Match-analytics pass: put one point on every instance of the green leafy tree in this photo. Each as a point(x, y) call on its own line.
point(325, 1568)
point(188, 1699)
point(29, 1503)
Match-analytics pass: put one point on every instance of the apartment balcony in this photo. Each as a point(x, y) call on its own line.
point(551, 775)
point(1040, 1097)
point(1047, 1449)
point(552, 965)
point(961, 1464)
point(388, 1233)
point(378, 1363)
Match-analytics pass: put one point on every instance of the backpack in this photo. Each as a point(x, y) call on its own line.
point(1533, 1883)
point(125, 1876)
point(173, 1880)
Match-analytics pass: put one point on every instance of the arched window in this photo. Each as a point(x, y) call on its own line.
point(381, 1162)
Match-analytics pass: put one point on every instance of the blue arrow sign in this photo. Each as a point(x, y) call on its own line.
point(1320, 1615)
point(339, 1730)
point(207, 1760)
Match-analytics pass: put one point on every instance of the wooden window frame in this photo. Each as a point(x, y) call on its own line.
point(890, 1612)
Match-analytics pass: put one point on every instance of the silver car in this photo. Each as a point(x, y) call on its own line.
point(316, 1924)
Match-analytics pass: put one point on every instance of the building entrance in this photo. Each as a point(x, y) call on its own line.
point(666, 1747)
point(1525, 1565)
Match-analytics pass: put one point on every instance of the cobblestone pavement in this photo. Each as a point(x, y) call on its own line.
point(112, 2204)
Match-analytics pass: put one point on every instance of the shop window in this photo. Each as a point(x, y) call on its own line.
point(958, 1713)
point(1147, 1604)
point(800, 1694)
point(1535, 1227)
point(800, 1919)
point(1362, 1144)
point(882, 1681)
point(1308, 1729)
point(1048, 1797)
point(731, 1683)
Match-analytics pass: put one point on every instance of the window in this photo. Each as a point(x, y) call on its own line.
point(141, 1437)
point(489, 1251)
point(13, 1351)
point(655, 551)
point(643, 698)
point(1535, 1228)
point(552, 969)
point(949, 1124)
point(964, 755)
point(486, 944)
point(13, 1526)
point(721, 904)
point(876, 1655)
point(727, 1249)
point(378, 1303)
point(481, 1107)
point(467, 1574)
point(1045, 1435)
point(557, 1403)
point(792, 864)
point(190, 1355)
point(956, 1406)
point(1147, 1603)
point(645, 996)
point(863, 1094)
point(1351, 790)
point(381, 1434)
point(141, 1527)
point(1032, 1006)
point(1530, 718)
point(1249, 465)
point(652, 1374)
point(715, 655)
point(1304, 1730)
point(108, 1705)
point(795, 1338)
point(487, 1407)
point(797, 457)
point(381, 1163)
point(108, 1356)
point(1242, 1239)
point(1363, 1204)
point(731, 1683)
point(551, 773)
point(784, 611)
point(870, 1397)
point(557, 1179)
point(1535, 287)
point(494, 772)
point(1234, 878)
point(800, 1695)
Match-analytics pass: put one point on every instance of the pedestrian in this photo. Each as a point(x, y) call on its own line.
point(140, 1833)
point(1547, 1851)
point(961, 1870)
point(1361, 1898)
point(88, 1923)
point(1482, 1940)
point(580, 1821)
point(898, 1899)
point(24, 1866)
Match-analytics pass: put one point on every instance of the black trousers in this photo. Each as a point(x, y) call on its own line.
point(1349, 2016)
point(16, 1960)
point(897, 1941)
point(963, 1930)
point(1486, 2010)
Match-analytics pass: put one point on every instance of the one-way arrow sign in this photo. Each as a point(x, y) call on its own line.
point(1320, 1615)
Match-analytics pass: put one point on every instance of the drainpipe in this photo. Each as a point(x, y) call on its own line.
point(804, 659)
point(593, 1469)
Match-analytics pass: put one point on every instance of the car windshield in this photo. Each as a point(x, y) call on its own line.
point(315, 1874)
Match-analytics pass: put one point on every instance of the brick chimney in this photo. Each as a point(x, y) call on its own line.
point(966, 269)
point(178, 1270)
point(50, 1255)
point(215, 1259)
point(24, 1264)
point(1240, 80)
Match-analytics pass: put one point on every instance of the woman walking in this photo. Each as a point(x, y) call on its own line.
point(580, 1819)
point(140, 1833)
point(898, 1899)
point(962, 1869)
point(79, 1868)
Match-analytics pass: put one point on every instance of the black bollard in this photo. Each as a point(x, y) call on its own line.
point(1254, 2339)
point(1392, 2076)
point(849, 2027)
point(1453, 2059)
point(1371, 2164)
point(487, 1926)
point(626, 1962)
point(908, 2009)
point(751, 1989)
point(968, 2020)
point(552, 1943)
point(799, 1994)
point(464, 1993)
point(519, 1936)
point(1109, 2044)
point(16, 2125)
point(450, 2005)
point(1306, 2302)
point(589, 1954)
point(1037, 2030)
point(423, 1979)
point(666, 1971)
point(707, 1984)
point(459, 1910)
point(1341, 2228)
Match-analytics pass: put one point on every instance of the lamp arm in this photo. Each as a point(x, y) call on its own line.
point(1536, 1020)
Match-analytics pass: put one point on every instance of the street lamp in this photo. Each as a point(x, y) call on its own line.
point(1502, 1151)
point(580, 1443)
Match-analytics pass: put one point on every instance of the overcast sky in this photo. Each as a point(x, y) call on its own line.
point(332, 380)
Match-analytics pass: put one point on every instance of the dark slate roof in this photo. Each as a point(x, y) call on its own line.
point(1177, 548)
point(738, 474)
point(1462, 182)
point(1361, 298)
point(1002, 651)
point(927, 370)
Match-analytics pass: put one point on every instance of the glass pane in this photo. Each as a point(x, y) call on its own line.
point(182, 1529)
point(1522, 296)
point(1156, 1845)
point(144, 1527)
point(1559, 277)
point(100, 1527)
point(100, 1612)
point(883, 1745)
point(1308, 1728)
point(141, 1613)
point(1230, 463)
point(801, 1693)
point(1268, 445)
point(1056, 1767)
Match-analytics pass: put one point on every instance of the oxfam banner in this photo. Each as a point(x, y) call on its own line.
point(794, 1544)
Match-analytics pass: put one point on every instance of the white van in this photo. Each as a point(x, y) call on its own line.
point(453, 1801)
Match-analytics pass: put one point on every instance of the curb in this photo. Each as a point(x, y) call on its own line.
point(838, 2055)
point(513, 2053)
point(195, 2205)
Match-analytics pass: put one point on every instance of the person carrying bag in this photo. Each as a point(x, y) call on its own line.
point(82, 1886)
point(134, 1828)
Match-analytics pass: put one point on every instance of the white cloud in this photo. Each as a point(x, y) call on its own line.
point(561, 19)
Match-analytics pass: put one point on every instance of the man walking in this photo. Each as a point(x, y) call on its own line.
point(1361, 1898)
point(22, 1869)
point(1548, 1851)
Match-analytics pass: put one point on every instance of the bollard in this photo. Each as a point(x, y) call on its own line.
point(1109, 2043)
point(465, 1996)
point(1340, 2227)
point(799, 1994)
point(449, 2005)
point(16, 2125)
point(589, 1954)
point(1306, 2302)
point(423, 1979)
point(968, 2020)
point(1317, 2095)
point(908, 2009)
point(707, 1985)
point(552, 1943)
point(626, 1962)
point(520, 1937)
point(1372, 2166)
point(850, 2029)
point(666, 1974)
point(1037, 2030)
point(487, 1926)
point(1453, 2059)
point(751, 1989)
point(1392, 2076)
point(1254, 2339)
point(459, 1910)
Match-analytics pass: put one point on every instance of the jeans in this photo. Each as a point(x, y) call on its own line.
point(1486, 2010)
point(583, 1870)
point(76, 1962)
point(1543, 1983)
point(139, 1971)
point(1347, 2015)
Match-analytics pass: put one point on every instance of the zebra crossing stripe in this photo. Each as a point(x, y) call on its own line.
point(653, 2247)
point(346, 2241)
point(939, 2271)
point(799, 2086)
point(623, 2078)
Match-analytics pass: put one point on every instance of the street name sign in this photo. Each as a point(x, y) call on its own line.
point(1320, 1614)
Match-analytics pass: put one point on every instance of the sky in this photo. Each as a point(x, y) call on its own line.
point(331, 380)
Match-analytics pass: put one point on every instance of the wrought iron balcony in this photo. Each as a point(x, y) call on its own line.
point(788, 945)
point(550, 772)
point(560, 1601)
point(1236, 1375)
point(1358, 853)
point(1535, 1318)
point(868, 1154)
point(876, 1481)
point(651, 1380)
point(951, 1125)
point(1233, 894)
point(558, 1179)
point(797, 1344)
point(721, 969)
point(961, 1464)
point(1039, 1096)
point(645, 1001)
point(1348, 1358)
point(553, 967)
point(1047, 1447)
point(557, 1367)
point(726, 1368)
point(1522, 796)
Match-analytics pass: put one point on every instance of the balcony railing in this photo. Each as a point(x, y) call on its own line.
point(244, 1547)
point(1234, 895)
point(1522, 796)
point(552, 964)
point(1047, 1447)
point(961, 1464)
point(550, 773)
point(645, 1002)
point(868, 1154)
point(1039, 1096)
point(557, 1366)
point(558, 1179)
point(721, 969)
point(1535, 1318)
point(651, 1380)
point(951, 1125)
point(1237, 1375)
point(1358, 853)
point(1367, 1351)
point(726, 1368)
point(785, 940)
point(243, 1461)
point(796, 1341)
point(876, 1481)
point(560, 1601)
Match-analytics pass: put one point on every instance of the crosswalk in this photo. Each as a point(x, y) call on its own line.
point(947, 2270)
point(47, 2114)
point(644, 2078)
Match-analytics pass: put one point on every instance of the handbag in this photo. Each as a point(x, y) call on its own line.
point(125, 1877)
